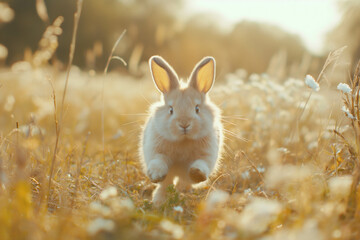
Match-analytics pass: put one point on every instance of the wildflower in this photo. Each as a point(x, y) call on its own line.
point(245, 175)
point(21, 66)
point(9, 103)
point(121, 204)
point(98, 208)
point(295, 83)
point(178, 209)
point(216, 197)
point(175, 229)
point(31, 130)
point(311, 82)
point(344, 88)
point(309, 230)
point(347, 112)
point(313, 145)
point(261, 211)
point(254, 77)
point(340, 186)
point(108, 193)
point(100, 224)
point(3, 52)
point(241, 73)
point(260, 169)
point(248, 191)
point(6, 13)
point(283, 150)
point(44, 107)
point(282, 175)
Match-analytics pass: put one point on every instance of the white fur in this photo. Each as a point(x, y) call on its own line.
point(157, 170)
point(168, 151)
point(202, 166)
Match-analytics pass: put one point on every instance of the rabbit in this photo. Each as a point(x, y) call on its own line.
point(183, 135)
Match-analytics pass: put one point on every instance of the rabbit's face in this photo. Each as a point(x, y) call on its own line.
point(184, 114)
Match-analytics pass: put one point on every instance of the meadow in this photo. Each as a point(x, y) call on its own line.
point(70, 167)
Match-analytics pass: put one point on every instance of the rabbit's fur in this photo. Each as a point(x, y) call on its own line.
point(183, 134)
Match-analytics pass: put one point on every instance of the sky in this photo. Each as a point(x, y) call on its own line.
point(310, 19)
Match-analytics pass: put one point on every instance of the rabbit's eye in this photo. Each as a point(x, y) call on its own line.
point(171, 110)
point(197, 109)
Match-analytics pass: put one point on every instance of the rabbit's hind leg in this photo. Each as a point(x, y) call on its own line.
point(159, 194)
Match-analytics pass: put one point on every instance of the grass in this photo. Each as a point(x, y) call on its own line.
point(290, 167)
point(295, 184)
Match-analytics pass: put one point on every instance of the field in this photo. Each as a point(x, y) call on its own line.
point(70, 166)
point(287, 169)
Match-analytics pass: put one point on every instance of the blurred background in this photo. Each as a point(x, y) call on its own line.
point(282, 38)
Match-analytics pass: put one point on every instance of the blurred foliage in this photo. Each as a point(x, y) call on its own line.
point(153, 27)
point(347, 32)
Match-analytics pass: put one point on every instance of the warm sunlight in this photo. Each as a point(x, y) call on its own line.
point(180, 119)
point(309, 19)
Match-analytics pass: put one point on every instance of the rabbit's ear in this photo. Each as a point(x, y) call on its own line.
point(163, 75)
point(203, 76)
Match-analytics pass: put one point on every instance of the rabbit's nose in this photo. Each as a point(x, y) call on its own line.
point(184, 125)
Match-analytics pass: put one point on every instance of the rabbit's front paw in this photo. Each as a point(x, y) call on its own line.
point(199, 171)
point(157, 170)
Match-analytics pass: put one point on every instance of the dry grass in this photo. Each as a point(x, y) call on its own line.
point(275, 186)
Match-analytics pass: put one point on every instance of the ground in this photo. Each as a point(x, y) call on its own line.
point(284, 174)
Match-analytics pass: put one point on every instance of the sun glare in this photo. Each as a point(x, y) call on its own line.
point(311, 20)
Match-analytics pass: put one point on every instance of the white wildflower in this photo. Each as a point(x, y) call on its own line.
point(275, 86)
point(21, 66)
point(278, 176)
point(245, 175)
point(178, 209)
point(257, 104)
point(254, 77)
point(232, 79)
point(344, 88)
point(45, 107)
point(98, 208)
point(311, 82)
point(176, 230)
point(31, 130)
point(215, 198)
point(347, 112)
point(295, 83)
point(313, 145)
point(241, 73)
point(261, 211)
point(121, 204)
point(260, 169)
point(6, 13)
point(3, 52)
point(9, 103)
point(283, 150)
point(340, 186)
point(310, 230)
point(100, 224)
point(248, 191)
point(108, 193)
